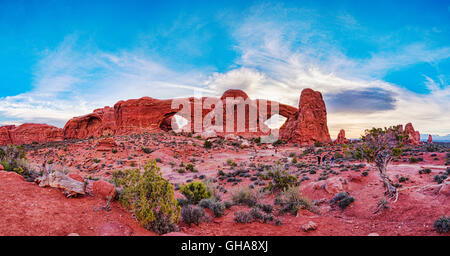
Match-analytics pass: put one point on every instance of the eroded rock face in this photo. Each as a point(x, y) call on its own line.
point(153, 115)
point(341, 138)
point(309, 124)
point(99, 123)
point(5, 135)
point(141, 115)
point(29, 133)
point(413, 135)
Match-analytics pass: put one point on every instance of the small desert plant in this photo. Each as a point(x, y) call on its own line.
point(195, 191)
point(242, 217)
point(413, 160)
point(442, 225)
point(291, 200)
point(207, 144)
point(246, 196)
point(342, 199)
point(281, 180)
point(440, 178)
point(216, 207)
point(256, 213)
point(150, 196)
point(192, 214)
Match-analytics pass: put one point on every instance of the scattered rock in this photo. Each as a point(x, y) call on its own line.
point(310, 226)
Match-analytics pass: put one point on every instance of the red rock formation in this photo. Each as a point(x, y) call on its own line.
point(413, 136)
point(152, 115)
point(5, 135)
point(341, 138)
point(430, 139)
point(29, 133)
point(99, 123)
point(309, 124)
point(142, 115)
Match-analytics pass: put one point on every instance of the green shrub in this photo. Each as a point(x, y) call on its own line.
point(442, 225)
point(13, 159)
point(291, 200)
point(150, 196)
point(195, 191)
point(413, 160)
point(96, 160)
point(245, 196)
point(338, 155)
point(318, 144)
point(397, 152)
point(281, 180)
point(207, 144)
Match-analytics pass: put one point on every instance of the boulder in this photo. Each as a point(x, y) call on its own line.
point(106, 144)
point(2, 168)
point(309, 123)
point(331, 185)
point(104, 189)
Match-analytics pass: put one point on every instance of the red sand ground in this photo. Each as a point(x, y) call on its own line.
point(28, 209)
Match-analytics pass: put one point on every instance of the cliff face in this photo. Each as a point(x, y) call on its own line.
point(29, 133)
point(306, 125)
point(309, 123)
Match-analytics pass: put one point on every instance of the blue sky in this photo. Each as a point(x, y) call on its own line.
point(378, 63)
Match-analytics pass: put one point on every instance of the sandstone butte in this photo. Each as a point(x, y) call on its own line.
point(304, 125)
point(413, 135)
point(341, 138)
point(430, 139)
point(309, 123)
